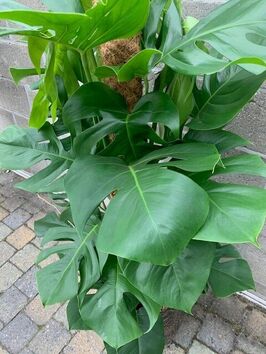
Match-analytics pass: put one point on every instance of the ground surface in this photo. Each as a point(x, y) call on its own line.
point(218, 326)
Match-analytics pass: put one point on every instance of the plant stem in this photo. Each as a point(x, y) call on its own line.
point(86, 66)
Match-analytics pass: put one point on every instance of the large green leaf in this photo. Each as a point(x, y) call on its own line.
point(222, 139)
point(22, 148)
point(107, 312)
point(242, 164)
point(235, 30)
point(237, 214)
point(193, 157)
point(224, 95)
point(64, 5)
point(60, 281)
point(230, 273)
point(181, 283)
point(102, 23)
point(169, 208)
point(133, 127)
point(151, 342)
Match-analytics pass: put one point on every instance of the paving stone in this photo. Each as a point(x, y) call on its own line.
point(26, 351)
point(13, 97)
point(217, 334)
point(50, 340)
point(237, 352)
point(171, 319)
point(200, 9)
point(199, 311)
point(26, 257)
point(249, 345)
point(11, 303)
point(187, 329)
point(7, 118)
point(13, 55)
point(34, 205)
point(8, 275)
point(1, 325)
point(2, 198)
point(2, 350)
point(4, 231)
point(17, 218)
point(206, 300)
point(256, 325)
point(7, 190)
point(199, 348)
point(230, 308)
point(6, 251)
point(61, 316)
point(18, 333)
point(173, 349)
point(27, 283)
point(13, 203)
point(3, 213)
point(38, 313)
point(20, 237)
point(32, 220)
point(251, 123)
point(85, 342)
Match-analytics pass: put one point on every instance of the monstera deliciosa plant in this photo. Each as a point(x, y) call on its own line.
point(136, 150)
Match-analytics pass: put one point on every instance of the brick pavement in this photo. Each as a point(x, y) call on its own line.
point(228, 326)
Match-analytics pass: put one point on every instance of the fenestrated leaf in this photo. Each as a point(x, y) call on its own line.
point(178, 285)
point(21, 148)
point(74, 319)
point(168, 207)
point(59, 281)
point(223, 139)
point(43, 225)
point(109, 20)
point(230, 273)
point(237, 214)
point(193, 157)
point(242, 164)
point(107, 312)
point(225, 94)
point(151, 342)
point(235, 30)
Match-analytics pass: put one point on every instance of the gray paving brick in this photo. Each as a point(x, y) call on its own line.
point(21, 121)
point(217, 334)
point(13, 98)
point(1, 325)
point(13, 55)
point(4, 231)
point(17, 218)
point(8, 275)
point(27, 283)
point(251, 123)
point(61, 316)
point(26, 351)
point(51, 339)
point(256, 325)
point(18, 333)
point(199, 348)
point(13, 203)
point(200, 9)
point(186, 331)
point(6, 118)
point(173, 349)
point(223, 308)
point(3, 213)
point(34, 4)
point(249, 345)
point(206, 300)
point(6, 251)
point(11, 303)
point(3, 351)
point(25, 258)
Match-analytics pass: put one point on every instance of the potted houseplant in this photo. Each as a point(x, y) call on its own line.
point(130, 110)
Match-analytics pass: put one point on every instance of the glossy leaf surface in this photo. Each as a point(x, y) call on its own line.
point(107, 313)
point(149, 239)
point(178, 285)
point(59, 281)
point(230, 273)
point(237, 214)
